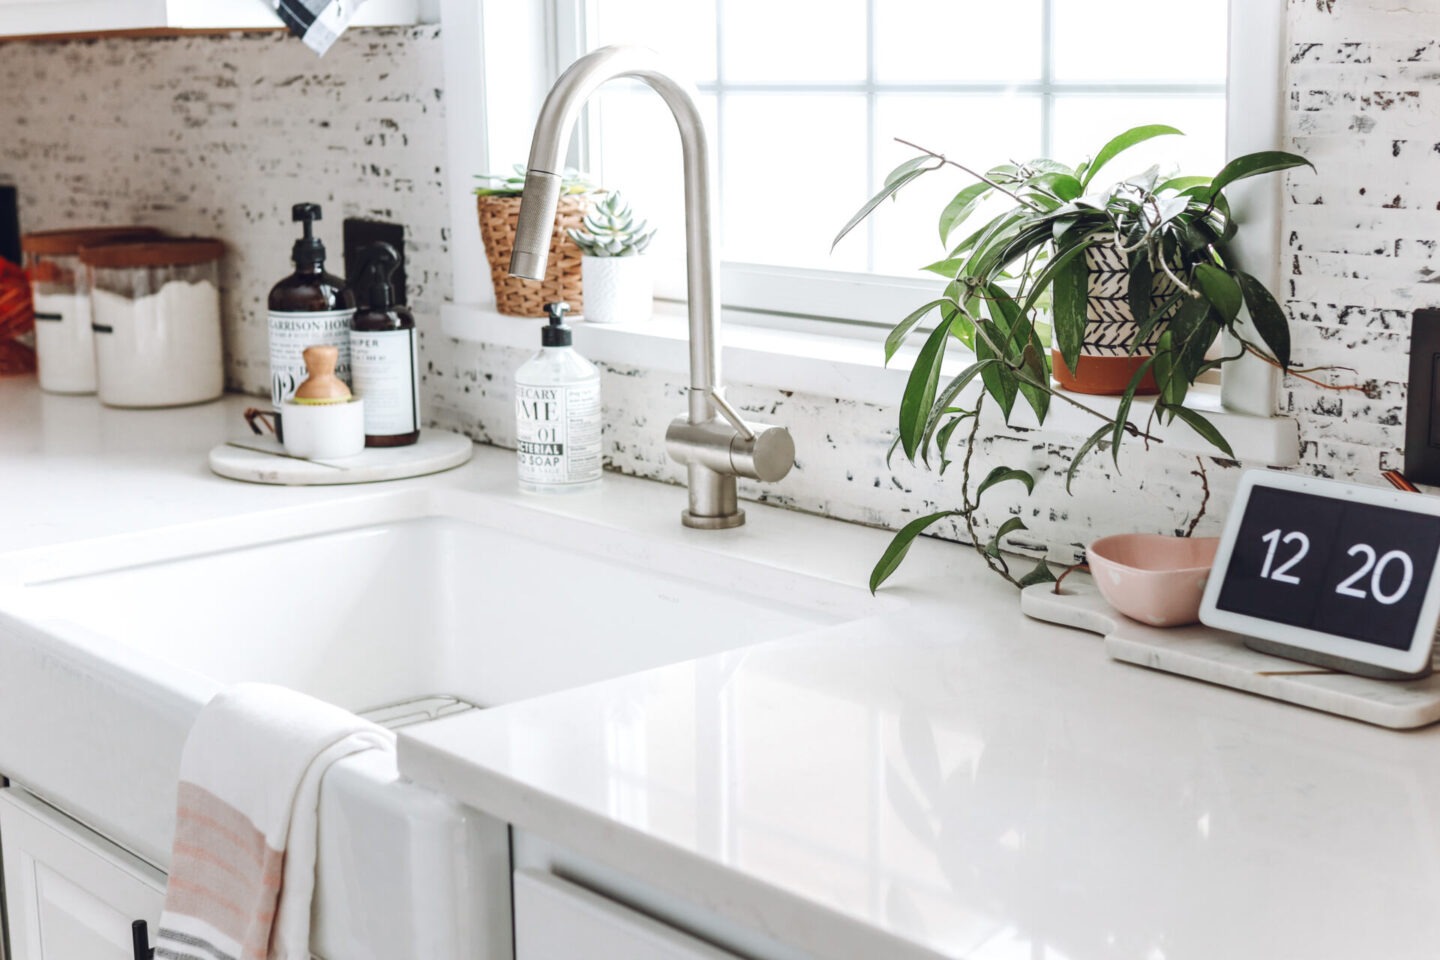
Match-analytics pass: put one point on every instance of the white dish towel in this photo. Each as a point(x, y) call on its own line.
point(242, 873)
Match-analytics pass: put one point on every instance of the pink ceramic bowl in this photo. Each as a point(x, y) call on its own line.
point(1153, 578)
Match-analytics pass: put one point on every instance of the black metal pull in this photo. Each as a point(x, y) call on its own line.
point(140, 940)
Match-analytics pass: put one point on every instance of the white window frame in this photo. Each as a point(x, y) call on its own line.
point(492, 101)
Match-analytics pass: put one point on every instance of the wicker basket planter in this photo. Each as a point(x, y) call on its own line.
point(499, 216)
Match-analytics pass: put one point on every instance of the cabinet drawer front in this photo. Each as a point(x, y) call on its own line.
point(70, 893)
point(557, 920)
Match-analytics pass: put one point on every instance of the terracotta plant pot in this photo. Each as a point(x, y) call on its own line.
point(499, 217)
point(1106, 364)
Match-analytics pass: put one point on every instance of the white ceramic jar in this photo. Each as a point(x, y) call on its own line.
point(155, 307)
point(617, 289)
point(64, 342)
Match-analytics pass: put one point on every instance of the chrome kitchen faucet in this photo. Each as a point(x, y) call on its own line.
point(712, 440)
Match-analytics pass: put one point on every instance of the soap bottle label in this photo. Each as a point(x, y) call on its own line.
point(385, 372)
point(558, 432)
point(291, 333)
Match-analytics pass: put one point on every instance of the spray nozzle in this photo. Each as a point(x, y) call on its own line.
point(307, 251)
point(378, 262)
point(556, 334)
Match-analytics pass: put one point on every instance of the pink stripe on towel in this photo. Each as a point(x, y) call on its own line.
point(222, 872)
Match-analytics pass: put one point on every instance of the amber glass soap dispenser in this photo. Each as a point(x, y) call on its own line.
point(384, 359)
point(308, 308)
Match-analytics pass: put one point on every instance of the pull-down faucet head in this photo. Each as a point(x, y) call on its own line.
point(537, 218)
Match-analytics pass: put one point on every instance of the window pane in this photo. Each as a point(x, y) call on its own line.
point(786, 190)
point(793, 41)
point(683, 32)
point(1083, 124)
point(639, 154)
point(945, 41)
point(1133, 40)
point(978, 131)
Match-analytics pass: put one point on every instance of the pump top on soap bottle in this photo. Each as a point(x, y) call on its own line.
point(308, 308)
point(384, 354)
point(557, 413)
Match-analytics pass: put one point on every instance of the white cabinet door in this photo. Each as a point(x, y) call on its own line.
point(70, 893)
point(557, 920)
point(32, 17)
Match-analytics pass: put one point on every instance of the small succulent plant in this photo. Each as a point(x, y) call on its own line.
point(571, 182)
point(611, 230)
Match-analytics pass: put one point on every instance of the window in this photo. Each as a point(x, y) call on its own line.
point(805, 100)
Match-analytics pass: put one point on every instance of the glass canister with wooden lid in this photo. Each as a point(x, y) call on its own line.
point(64, 345)
point(155, 306)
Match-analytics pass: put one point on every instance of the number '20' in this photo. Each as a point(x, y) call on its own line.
point(1372, 564)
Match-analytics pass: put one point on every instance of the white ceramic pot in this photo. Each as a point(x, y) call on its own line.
point(324, 431)
point(617, 289)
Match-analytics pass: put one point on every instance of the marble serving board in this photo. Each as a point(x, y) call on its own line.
point(1216, 656)
point(264, 460)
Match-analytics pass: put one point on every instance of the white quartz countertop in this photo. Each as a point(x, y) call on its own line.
point(944, 779)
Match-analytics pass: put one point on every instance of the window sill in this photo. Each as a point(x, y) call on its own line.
point(851, 368)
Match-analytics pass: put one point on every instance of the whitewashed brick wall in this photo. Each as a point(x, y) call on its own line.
point(221, 134)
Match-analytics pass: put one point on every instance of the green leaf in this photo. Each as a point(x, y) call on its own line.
point(946, 398)
point(1142, 287)
point(960, 208)
point(942, 438)
point(1071, 289)
point(1122, 413)
point(1220, 288)
point(906, 168)
point(1006, 528)
point(947, 268)
point(897, 336)
point(1192, 335)
point(919, 396)
point(1268, 318)
point(1167, 374)
point(894, 554)
point(1203, 427)
point(1040, 574)
point(1183, 183)
point(1081, 453)
point(1254, 165)
point(890, 454)
point(1002, 475)
point(1061, 185)
point(889, 190)
point(1122, 143)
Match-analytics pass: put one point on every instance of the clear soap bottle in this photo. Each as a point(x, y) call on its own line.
point(557, 414)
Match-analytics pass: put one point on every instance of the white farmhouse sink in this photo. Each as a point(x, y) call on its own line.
point(389, 612)
point(109, 648)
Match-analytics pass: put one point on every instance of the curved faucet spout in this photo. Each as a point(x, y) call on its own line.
point(553, 130)
point(727, 446)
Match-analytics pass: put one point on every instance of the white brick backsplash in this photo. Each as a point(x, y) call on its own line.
point(221, 134)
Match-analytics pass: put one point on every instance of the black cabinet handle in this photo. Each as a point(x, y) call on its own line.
point(140, 940)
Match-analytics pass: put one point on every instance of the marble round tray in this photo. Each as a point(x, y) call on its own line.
point(264, 460)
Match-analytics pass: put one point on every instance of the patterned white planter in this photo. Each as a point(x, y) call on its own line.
point(1106, 364)
point(617, 289)
point(1110, 325)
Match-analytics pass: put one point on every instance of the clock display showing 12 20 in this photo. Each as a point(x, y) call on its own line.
point(1312, 559)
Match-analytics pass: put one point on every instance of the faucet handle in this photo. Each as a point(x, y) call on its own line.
point(767, 455)
point(731, 415)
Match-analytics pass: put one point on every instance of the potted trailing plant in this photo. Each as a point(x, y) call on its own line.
point(1021, 296)
point(498, 204)
point(618, 282)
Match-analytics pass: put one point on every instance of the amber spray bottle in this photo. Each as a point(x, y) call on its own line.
point(384, 354)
